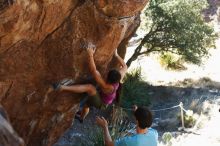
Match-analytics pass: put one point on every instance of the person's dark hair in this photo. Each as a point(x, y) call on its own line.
point(114, 76)
point(144, 117)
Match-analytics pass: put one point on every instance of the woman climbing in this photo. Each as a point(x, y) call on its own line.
point(108, 87)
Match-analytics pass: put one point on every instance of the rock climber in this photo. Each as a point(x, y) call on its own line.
point(108, 86)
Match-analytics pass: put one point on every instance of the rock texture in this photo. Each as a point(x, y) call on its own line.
point(40, 44)
point(8, 137)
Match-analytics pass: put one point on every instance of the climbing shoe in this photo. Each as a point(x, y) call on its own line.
point(56, 86)
point(67, 82)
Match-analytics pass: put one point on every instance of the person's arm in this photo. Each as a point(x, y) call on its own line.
point(104, 125)
point(123, 67)
point(95, 73)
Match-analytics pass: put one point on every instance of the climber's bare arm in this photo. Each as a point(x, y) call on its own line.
point(95, 73)
point(123, 67)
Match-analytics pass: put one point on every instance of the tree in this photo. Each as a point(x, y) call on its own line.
point(176, 26)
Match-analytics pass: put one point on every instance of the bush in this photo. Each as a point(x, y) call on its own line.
point(171, 62)
point(166, 138)
point(120, 125)
point(189, 118)
point(134, 90)
point(96, 137)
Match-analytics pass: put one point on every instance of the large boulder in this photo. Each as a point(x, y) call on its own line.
point(40, 43)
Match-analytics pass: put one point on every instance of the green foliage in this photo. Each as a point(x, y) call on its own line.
point(120, 123)
point(134, 90)
point(169, 61)
point(166, 138)
point(176, 26)
point(96, 137)
point(189, 118)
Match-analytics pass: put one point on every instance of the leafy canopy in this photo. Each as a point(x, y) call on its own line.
point(176, 26)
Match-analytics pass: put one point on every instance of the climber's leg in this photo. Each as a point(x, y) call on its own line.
point(85, 88)
point(92, 100)
point(56, 86)
point(83, 113)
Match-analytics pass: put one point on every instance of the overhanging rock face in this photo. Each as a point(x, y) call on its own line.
point(40, 44)
point(8, 137)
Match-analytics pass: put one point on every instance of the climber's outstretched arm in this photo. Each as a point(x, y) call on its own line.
point(95, 73)
point(123, 67)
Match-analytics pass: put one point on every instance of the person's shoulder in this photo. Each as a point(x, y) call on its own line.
point(153, 131)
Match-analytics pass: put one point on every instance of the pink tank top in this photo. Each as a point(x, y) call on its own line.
point(109, 98)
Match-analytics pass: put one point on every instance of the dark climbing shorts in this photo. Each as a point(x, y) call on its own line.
point(94, 101)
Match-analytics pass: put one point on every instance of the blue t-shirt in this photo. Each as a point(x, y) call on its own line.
point(148, 139)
